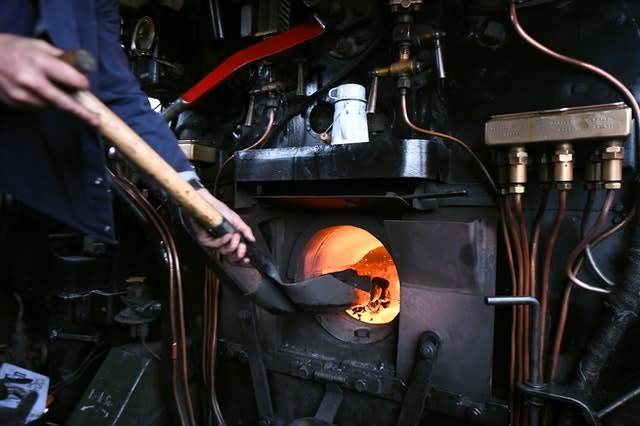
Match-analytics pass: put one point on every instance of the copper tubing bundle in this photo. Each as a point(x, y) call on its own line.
point(517, 347)
point(526, 279)
point(176, 304)
point(546, 271)
point(517, 242)
point(533, 261)
point(575, 266)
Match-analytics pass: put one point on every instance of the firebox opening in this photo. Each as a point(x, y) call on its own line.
point(337, 248)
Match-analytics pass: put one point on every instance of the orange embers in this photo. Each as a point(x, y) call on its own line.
point(342, 247)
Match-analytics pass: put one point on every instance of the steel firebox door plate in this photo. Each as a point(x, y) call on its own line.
point(124, 391)
point(446, 268)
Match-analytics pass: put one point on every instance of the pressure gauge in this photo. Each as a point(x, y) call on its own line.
point(143, 35)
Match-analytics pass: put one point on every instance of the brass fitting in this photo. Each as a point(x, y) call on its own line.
point(518, 159)
point(272, 87)
point(593, 174)
point(612, 156)
point(400, 67)
point(562, 160)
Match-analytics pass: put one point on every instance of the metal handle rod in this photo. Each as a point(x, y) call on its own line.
point(132, 146)
point(535, 332)
point(534, 408)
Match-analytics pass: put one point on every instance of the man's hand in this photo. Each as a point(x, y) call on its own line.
point(32, 76)
point(228, 245)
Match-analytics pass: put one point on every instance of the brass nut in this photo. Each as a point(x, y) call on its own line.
point(613, 185)
point(518, 156)
point(613, 150)
point(563, 186)
point(564, 155)
point(613, 155)
point(562, 158)
point(516, 189)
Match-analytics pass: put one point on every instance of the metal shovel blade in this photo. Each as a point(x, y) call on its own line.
point(323, 293)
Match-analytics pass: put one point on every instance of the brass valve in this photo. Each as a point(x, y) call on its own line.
point(518, 159)
point(612, 156)
point(562, 159)
point(402, 66)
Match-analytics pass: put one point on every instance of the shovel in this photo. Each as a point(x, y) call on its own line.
point(260, 280)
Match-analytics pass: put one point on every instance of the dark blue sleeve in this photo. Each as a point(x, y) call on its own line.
point(119, 89)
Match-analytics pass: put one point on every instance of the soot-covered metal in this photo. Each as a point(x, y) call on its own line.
point(420, 156)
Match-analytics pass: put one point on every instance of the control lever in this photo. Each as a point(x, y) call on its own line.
point(269, 47)
point(418, 389)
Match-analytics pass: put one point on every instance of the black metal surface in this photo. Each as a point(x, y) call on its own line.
point(468, 409)
point(361, 377)
point(409, 158)
point(418, 388)
point(259, 378)
point(324, 293)
point(330, 403)
point(445, 270)
point(125, 390)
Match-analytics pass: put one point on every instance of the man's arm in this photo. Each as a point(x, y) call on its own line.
point(120, 90)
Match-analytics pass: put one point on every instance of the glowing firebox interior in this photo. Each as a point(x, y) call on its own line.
point(342, 247)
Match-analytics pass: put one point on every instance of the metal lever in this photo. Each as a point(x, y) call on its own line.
point(534, 404)
point(418, 389)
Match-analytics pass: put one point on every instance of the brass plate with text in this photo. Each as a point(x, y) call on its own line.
point(605, 121)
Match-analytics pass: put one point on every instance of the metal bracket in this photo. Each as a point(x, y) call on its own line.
point(418, 390)
point(562, 394)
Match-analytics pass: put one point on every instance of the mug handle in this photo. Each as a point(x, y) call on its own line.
point(332, 95)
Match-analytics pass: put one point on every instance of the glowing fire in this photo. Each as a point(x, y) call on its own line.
point(342, 247)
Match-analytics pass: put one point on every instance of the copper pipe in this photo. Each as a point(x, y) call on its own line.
point(585, 241)
point(513, 232)
point(617, 84)
point(260, 141)
point(535, 241)
point(171, 245)
point(562, 322)
point(133, 192)
point(526, 279)
point(205, 330)
point(214, 347)
point(403, 104)
point(206, 326)
point(546, 270)
point(175, 288)
point(502, 205)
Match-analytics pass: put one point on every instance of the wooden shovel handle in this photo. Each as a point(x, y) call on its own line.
point(134, 148)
